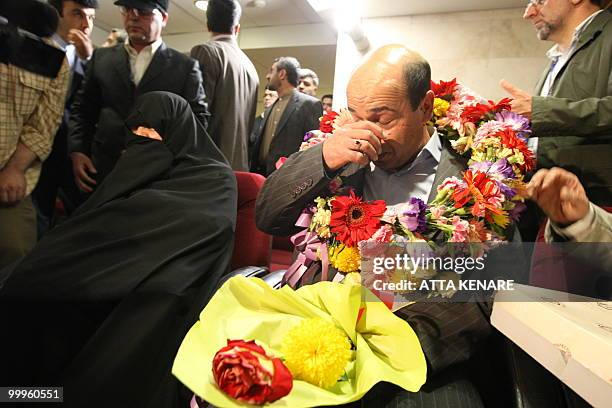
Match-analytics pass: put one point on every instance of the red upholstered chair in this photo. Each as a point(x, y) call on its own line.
point(552, 270)
point(282, 253)
point(252, 247)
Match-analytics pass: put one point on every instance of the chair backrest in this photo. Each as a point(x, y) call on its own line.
point(252, 247)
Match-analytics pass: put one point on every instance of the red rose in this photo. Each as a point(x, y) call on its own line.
point(244, 371)
point(326, 123)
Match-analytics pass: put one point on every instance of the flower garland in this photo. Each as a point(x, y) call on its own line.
point(474, 209)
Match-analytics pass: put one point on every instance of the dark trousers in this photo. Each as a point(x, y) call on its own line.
point(56, 179)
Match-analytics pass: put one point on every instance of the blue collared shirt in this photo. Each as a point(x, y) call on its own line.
point(76, 64)
point(413, 180)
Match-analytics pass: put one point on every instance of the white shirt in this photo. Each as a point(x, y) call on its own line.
point(413, 180)
point(560, 58)
point(220, 36)
point(139, 61)
point(76, 63)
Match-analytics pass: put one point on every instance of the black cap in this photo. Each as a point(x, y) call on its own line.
point(144, 4)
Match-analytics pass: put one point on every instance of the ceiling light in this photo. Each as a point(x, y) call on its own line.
point(201, 4)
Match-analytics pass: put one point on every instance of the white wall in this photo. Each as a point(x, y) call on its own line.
point(98, 36)
point(478, 48)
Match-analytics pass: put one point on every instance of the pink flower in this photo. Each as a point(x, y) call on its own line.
point(383, 235)
point(437, 212)
point(451, 183)
point(460, 230)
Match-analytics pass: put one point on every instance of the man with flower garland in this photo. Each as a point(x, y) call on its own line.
point(571, 113)
point(389, 153)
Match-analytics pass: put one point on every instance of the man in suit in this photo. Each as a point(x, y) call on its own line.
point(268, 99)
point(286, 122)
point(309, 82)
point(570, 113)
point(73, 33)
point(230, 83)
point(327, 101)
point(115, 77)
point(399, 157)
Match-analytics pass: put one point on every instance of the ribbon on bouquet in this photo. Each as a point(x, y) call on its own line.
point(308, 245)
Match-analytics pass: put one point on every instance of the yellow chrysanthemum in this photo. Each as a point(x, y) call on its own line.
point(345, 259)
point(316, 351)
point(440, 107)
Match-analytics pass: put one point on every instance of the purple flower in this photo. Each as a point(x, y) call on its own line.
point(412, 215)
point(499, 170)
point(310, 135)
point(506, 190)
point(518, 123)
point(516, 211)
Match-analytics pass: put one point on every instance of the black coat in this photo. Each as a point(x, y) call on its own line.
point(108, 93)
point(126, 276)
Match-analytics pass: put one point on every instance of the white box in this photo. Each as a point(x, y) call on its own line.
point(569, 335)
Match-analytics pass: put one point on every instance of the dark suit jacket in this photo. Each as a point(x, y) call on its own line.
point(574, 124)
point(108, 93)
point(449, 332)
point(231, 84)
point(300, 116)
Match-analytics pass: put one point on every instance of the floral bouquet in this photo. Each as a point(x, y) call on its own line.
point(318, 345)
point(344, 232)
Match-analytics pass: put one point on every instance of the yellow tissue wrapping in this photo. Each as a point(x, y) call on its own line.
point(387, 349)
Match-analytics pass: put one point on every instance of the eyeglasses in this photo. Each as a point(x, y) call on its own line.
point(146, 13)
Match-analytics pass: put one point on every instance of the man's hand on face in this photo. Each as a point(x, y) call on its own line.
point(559, 194)
point(521, 102)
point(12, 186)
point(82, 43)
point(358, 142)
point(81, 167)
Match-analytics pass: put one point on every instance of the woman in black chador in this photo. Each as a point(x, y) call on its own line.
point(120, 282)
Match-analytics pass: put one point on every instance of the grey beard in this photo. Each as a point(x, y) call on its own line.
point(544, 32)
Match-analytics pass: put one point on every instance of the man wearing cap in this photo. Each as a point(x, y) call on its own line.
point(115, 77)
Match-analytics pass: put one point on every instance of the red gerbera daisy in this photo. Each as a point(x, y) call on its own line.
point(326, 123)
point(353, 220)
point(510, 140)
point(443, 90)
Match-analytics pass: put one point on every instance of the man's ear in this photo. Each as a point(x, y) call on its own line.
point(282, 74)
point(236, 29)
point(426, 106)
point(164, 19)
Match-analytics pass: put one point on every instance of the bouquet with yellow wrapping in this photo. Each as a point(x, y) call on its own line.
point(336, 346)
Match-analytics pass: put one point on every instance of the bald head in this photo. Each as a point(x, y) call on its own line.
point(393, 66)
point(391, 90)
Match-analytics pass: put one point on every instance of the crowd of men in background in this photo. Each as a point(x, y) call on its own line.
point(218, 80)
point(221, 85)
